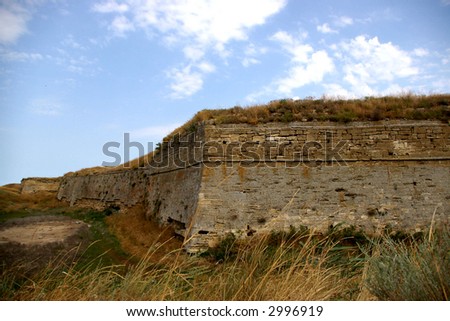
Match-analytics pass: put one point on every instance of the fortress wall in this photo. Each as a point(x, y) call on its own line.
point(172, 197)
point(39, 184)
point(252, 179)
point(102, 190)
point(168, 187)
point(372, 176)
point(372, 197)
point(322, 141)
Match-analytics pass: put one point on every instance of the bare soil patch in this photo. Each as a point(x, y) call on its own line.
point(40, 230)
point(31, 243)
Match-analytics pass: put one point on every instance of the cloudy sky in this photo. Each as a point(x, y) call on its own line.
point(75, 75)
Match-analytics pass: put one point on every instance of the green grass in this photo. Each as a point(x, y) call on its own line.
point(105, 249)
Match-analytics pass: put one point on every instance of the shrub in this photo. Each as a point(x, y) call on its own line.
point(413, 270)
point(226, 249)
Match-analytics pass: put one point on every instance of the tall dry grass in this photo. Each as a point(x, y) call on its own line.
point(137, 235)
point(299, 267)
point(256, 272)
point(11, 200)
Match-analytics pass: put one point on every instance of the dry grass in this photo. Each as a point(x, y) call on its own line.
point(139, 162)
point(258, 272)
point(408, 106)
point(137, 234)
point(89, 171)
point(11, 200)
point(280, 266)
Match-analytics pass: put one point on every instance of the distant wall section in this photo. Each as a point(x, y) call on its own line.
point(39, 184)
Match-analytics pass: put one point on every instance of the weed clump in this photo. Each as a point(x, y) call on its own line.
point(225, 251)
point(411, 270)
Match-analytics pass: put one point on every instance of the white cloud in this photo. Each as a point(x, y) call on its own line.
point(13, 22)
point(8, 55)
point(283, 37)
point(206, 67)
point(445, 2)
point(79, 64)
point(248, 61)
point(421, 52)
point(193, 53)
point(110, 6)
point(396, 90)
point(121, 25)
point(368, 63)
point(308, 66)
point(343, 21)
point(69, 41)
point(255, 97)
point(196, 26)
point(311, 71)
point(337, 91)
point(46, 107)
point(206, 22)
point(214, 21)
point(251, 52)
point(325, 28)
point(188, 80)
point(441, 85)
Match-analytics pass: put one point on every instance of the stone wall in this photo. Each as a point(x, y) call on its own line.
point(253, 179)
point(104, 190)
point(39, 184)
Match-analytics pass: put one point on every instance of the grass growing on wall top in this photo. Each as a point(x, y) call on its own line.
point(412, 107)
point(409, 107)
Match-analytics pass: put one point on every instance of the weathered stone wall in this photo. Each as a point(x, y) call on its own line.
point(369, 196)
point(172, 197)
point(252, 179)
point(323, 141)
point(39, 184)
point(102, 190)
point(168, 187)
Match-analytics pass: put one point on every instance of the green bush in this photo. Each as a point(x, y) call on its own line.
point(411, 270)
point(226, 249)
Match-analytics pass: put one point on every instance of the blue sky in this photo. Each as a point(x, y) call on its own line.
point(75, 75)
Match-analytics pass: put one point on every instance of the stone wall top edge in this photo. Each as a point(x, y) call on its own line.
point(363, 124)
point(109, 173)
point(43, 179)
